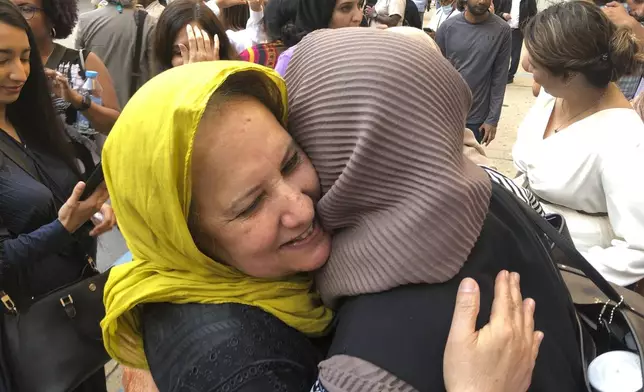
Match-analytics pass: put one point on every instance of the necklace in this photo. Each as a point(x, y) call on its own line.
point(558, 127)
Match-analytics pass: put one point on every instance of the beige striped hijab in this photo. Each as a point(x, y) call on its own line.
point(381, 116)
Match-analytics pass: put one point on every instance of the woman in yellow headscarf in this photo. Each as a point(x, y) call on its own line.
point(199, 224)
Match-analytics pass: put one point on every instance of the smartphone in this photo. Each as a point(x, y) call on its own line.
point(94, 180)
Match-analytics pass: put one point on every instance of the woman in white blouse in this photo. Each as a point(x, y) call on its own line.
point(581, 147)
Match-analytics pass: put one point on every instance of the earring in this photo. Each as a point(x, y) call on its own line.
point(53, 32)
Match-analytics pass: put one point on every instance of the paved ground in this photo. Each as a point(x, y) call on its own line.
point(518, 100)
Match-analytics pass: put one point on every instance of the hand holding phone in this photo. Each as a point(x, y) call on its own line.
point(95, 179)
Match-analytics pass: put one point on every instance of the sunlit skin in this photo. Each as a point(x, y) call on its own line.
point(14, 62)
point(248, 215)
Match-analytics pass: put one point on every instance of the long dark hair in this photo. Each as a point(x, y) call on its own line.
point(235, 17)
point(175, 17)
point(33, 114)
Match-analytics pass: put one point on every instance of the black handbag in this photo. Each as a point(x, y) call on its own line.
point(56, 342)
point(609, 317)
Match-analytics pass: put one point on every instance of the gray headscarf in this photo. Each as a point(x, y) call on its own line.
point(402, 202)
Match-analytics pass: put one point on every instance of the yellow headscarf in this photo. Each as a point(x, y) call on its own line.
point(147, 160)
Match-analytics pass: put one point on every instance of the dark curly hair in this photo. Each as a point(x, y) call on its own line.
point(62, 14)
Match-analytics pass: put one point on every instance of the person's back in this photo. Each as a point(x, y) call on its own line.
point(110, 32)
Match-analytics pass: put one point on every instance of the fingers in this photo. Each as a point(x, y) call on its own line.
point(101, 228)
point(528, 317)
point(483, 131)
point(465, 311)
point(215, 49)
point(502, 304)
point(201, 44)
point(76, 193)
point(537, 338)
point(50, 73)
point(517, 301)
point(192, 45)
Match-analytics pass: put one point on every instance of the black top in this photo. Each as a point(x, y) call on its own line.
point(227, 348)
point(37, 254)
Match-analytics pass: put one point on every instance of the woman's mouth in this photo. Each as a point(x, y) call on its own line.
point(307, 237)
point(13, 89)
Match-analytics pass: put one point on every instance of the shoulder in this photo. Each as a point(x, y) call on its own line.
point(502, 25)
point(453, 20)
point(220, 344)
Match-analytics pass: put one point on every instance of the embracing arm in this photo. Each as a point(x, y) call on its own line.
point(623, 262)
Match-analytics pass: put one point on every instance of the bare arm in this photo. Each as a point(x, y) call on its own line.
point(390, 21)
point(102, 117)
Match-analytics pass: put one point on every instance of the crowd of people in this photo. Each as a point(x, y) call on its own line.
point(304, 190)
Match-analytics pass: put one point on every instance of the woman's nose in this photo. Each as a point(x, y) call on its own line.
point(298, 208)
point(18, 72)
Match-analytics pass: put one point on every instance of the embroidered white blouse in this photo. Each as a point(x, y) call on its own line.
point(593, 173)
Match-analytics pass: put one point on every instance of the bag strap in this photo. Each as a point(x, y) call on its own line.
point(11, 153)
point(139, 18)
point(568, 248)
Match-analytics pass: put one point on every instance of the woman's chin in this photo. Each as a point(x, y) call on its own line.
point(317, 256)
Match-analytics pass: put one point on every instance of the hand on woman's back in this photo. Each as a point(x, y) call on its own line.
point(499, 357)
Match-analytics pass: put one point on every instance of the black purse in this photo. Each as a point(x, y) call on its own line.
point(52, 343)
point(56, 342)
point(609, 317)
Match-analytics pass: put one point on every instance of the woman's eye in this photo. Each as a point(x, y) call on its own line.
point(248, 211)
point(291, 164)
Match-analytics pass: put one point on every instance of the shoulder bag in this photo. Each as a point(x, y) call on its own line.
point(54, 341)
point(609, 317)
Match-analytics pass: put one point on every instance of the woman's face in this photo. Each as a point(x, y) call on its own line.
point(14, 62)
point(347, 13)
point(32, 11)
point(552, 84)
point(254, 192)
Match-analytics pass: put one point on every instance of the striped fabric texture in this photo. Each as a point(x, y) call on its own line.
point(402, 202)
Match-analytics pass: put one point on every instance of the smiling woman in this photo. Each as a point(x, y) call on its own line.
point(46, 240)
point(50, 20)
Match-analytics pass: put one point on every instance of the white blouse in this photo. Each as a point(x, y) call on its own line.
point(254, 33)
point(592, 173)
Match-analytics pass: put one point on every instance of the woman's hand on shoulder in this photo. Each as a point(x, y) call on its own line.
point(501, 356)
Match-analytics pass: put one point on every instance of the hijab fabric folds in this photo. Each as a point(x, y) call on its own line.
point(381, 116)
point(147, 161)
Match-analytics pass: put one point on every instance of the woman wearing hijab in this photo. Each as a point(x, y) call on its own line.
point(314, 15)
point(405, 207)
point(216, 297)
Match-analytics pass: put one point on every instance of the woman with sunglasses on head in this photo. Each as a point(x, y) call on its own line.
point(46, 237)
point(55, 19)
